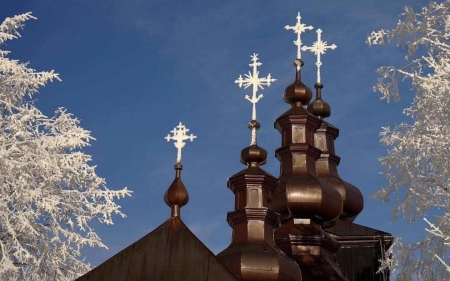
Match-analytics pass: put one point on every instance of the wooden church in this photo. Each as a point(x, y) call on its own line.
point(297, 226)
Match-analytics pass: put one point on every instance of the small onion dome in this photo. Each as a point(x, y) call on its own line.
point(176, 196)
point(253, 154)
point(297, 92)
point(319, 107)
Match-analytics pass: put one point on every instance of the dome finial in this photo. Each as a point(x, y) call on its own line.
point(319, 48)
point(176, 195)
point(297, 94)
point(298, 29)
point(180, 136)
point(319, 107)
point(252, 79)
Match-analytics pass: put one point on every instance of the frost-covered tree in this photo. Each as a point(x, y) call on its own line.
point(49, 194)
point(418, 159)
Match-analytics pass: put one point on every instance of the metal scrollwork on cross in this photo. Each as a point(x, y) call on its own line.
point(180, 137)
point(299, 28)
point(319, 48)
point(253, 79)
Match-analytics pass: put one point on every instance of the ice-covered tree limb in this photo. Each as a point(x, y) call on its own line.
point(417, 165)
point(50, 194)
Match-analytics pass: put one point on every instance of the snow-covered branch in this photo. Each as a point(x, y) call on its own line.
point(50, 193)
point(418, 160)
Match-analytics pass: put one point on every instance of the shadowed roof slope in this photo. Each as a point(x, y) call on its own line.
point(171, 252)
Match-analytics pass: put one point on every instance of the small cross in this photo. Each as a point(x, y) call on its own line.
point(299, 28)
point(180, 136)
point(253, 79)
point(319, 48)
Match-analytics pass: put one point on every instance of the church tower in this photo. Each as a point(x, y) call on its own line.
point(305, 201)
point(317, 207)
point(252, 254)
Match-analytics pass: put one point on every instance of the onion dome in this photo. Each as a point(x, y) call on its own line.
point(297, 93)
point(253, 155)
point(319, 107)
point(176, 196)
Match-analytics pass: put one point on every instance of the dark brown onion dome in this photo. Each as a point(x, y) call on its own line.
point(353, 202)
point(320, 203)
point(253, 154)
point(326, 167)
point(297, 92)
point(319, 107)
point(301, 193)
point(176, 196)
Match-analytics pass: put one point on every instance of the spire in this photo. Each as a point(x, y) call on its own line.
point(304, 201)
point(253, 79)
point(298, 156)
point(319, 107)
point(176, 195)
point(252, 254)
point(298, 94)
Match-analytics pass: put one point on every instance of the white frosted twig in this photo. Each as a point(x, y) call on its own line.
point(180, 136)
point(443, 263)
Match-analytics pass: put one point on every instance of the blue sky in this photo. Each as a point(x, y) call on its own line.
point(131, 70)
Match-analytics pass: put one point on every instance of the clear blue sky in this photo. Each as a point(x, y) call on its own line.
point(132, 69)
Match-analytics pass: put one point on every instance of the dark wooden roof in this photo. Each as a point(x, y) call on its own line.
point(171, 252)
point(348, 232)
point(361, 249)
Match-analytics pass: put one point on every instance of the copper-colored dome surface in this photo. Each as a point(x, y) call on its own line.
point(305, 201)
point(326, 167)
point(176, 195)
point(253, 254)
point(297, 92)
point(300, 192)
point(253, 154)
point(319, 107)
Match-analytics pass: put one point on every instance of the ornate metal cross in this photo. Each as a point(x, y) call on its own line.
point(253, 79)
point(299, 28)
point(180, 136)
point(319, 48)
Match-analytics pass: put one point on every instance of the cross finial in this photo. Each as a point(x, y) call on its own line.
point(253, 79)
point(299, 28)
point(319, 48)
point(180, 136)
